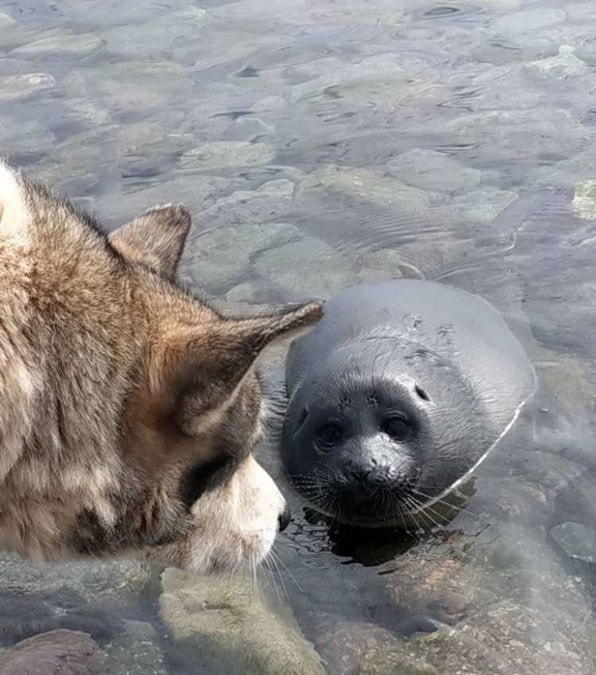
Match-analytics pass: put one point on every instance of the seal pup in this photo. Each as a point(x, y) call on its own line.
point(396, 396)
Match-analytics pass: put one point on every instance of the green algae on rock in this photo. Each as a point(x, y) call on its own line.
point(584, 200)
point(227, 621)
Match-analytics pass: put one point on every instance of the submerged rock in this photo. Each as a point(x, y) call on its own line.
point(480, 206)
point(431, 170)
point(89, 596)
point(565, 64)
point(13, 87)
point(384, 264)
point(306, 268)
point(373, 186)
point(6, 21)
point(230, 625)
point(73, 45)
point(584, 200)
point(529, 20)
point(135, 651)
point(223, 154)
point(348, 646)
point(220, 258)
point(58, 652)
point(507, 638)
point(123, 579)
point(576, 540)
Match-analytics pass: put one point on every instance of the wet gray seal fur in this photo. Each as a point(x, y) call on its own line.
point(396, 396)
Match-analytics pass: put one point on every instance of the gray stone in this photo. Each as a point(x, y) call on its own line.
point(6, 21)
point(309, 268)
point(508, 638)
point(281, 188)
point(366, 184)
point(234, 626)
point(119, 581)
point(160, 34)
point(75, 45)
point(220, 258)
point(132, 85)
point(18, 135)
point(196, 192)
point(513, 136)
point(435, 171)
point(243, 293)
point(378, 79)
point(529, 20)
point(569, 377)
point(384, 264)
point(135, 651)
point(378, 662)
point(58, 652)
point(576, 540)
point(223, 154)
point(584, 200)
point(480, 206)
point(245, 129)
point(345, 644)
point(565, 64)
point(13, 87)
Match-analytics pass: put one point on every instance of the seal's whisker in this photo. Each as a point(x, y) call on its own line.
point(444, 502)
point(414, 515)
point(417, 511)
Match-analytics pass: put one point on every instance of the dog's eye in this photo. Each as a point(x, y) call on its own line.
point(330, 434)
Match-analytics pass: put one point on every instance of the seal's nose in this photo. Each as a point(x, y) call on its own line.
point(284, 519)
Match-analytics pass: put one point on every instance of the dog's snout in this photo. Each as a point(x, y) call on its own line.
point(284, 519)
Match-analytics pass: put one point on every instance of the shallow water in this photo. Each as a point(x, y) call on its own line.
point(320, 144)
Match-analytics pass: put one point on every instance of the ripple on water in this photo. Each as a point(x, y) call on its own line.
point(325, 143)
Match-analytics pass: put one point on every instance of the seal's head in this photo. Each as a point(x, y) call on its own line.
point(383, 429)
point(395, 397)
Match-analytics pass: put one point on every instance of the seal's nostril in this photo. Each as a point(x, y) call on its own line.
point(284, 519)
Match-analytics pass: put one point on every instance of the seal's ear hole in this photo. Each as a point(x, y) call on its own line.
point(420, 391)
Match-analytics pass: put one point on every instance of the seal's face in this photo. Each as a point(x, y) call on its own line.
point(372, 451)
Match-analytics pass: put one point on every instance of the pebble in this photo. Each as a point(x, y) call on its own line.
point(13, 87)
point(58, 652)
point(434, 171)
point(224, 154)
point(584, 199)
point(576, 540)
point(73, 45)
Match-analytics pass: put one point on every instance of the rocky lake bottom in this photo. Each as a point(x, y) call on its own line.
point(320, 144)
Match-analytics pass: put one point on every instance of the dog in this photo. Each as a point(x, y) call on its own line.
point(129, 408)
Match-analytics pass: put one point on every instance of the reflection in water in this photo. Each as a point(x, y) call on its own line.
point(320, 145)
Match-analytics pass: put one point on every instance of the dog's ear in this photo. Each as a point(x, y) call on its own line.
point(206, 367)
point(155, 238)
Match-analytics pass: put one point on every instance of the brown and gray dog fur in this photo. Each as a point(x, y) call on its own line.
point(128, 407)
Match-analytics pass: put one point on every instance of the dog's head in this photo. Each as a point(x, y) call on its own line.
point(147, 399)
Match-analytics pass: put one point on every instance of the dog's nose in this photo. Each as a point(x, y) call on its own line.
point(284, 519)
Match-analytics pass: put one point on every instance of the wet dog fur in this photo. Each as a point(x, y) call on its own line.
point(128, 407)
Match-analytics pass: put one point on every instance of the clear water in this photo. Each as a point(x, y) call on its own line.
point(321, 143)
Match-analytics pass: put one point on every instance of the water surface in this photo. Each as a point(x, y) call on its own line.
point(322, 143)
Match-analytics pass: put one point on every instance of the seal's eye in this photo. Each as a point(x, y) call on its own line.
point(396, 427)
point(330, 434)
